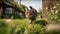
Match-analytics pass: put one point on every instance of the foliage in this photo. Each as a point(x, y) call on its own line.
point(16, 6)
point(54, 13)
point(3, 27)
point(21, 27)
point(41, 22)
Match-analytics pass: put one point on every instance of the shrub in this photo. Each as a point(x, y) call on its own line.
point(41, 22)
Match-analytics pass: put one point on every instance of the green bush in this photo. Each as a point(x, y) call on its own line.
point(41, 22)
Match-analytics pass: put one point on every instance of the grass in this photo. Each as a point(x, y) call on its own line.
point(20, 26)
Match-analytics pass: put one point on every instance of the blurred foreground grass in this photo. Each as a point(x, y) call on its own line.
point(22, 26)
point(19, 26)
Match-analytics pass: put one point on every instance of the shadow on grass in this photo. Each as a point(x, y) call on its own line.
point(41, 22)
